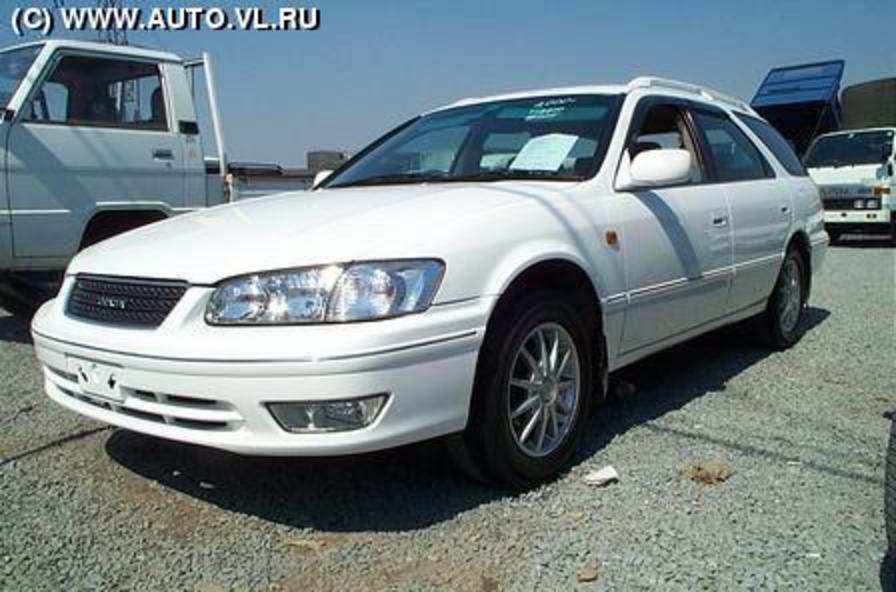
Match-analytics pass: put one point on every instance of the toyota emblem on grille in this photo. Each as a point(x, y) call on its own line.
point(110, 302)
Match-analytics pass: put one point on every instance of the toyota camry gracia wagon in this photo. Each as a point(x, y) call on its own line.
point(474, 274)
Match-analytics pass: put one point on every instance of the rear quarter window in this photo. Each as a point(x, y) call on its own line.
point(775, 143)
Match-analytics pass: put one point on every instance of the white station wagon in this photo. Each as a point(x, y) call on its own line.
point(474, 273)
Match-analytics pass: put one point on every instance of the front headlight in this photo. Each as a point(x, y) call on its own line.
point(327, 294)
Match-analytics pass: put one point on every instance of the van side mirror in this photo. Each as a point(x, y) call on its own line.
point(320, 177)
point(656, 168)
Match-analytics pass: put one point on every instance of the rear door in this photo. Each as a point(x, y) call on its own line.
point(94, 135)
point(761, 206)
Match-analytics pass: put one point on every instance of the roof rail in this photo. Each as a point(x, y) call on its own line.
point(706, 93)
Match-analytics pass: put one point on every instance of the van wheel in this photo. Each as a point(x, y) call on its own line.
point(779, 326)
point(532, 393)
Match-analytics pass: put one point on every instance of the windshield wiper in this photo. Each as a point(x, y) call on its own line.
point(392, 179)
point(485, 176)
point(509, 175)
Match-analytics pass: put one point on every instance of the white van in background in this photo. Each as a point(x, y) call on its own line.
point(854, 173)
point(97, 139)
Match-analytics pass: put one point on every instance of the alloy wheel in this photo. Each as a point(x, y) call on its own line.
point(790, 295)
point(544, 390)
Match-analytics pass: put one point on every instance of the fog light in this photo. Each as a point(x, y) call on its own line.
point(327, 416)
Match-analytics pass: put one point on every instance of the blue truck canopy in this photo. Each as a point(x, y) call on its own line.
point(801, 101)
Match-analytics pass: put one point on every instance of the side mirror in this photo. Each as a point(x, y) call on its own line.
point(655, 168)
point(320, 177)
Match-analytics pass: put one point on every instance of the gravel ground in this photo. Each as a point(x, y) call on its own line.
point(801, 433)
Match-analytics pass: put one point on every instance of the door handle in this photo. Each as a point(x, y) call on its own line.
point(720, 221)
point(785, 209)
point(163, 154)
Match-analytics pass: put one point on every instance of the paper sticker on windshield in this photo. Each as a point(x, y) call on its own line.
point(544, 153)
point(549, 108)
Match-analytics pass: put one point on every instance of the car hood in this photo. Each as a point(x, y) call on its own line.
point(305, 228)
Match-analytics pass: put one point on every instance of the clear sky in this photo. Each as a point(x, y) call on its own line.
point(372, 65)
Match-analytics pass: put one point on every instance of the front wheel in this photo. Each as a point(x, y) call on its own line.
point(779, 325)
point(532, 393)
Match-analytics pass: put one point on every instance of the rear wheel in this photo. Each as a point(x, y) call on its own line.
point(779, 325)
point(532, 394)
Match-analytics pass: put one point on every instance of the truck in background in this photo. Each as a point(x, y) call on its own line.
point(98, 139)
point(846, 141)
point(801, 101)
point(853, 167)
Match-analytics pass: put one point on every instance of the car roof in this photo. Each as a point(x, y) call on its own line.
point(647, 84)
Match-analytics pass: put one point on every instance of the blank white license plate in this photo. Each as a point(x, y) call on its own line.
point(96, 379)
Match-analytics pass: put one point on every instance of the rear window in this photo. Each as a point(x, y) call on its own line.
point(776, 144)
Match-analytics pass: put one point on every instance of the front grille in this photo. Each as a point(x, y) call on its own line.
point(124, 301)
point(176, 410)
point(849, 203)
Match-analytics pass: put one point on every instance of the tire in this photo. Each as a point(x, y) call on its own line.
point(501, 447)
point(775, 327)
point(890, 492)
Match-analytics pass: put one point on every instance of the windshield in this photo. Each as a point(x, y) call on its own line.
point(14, 64)
point(851, 149)
point(558, 138)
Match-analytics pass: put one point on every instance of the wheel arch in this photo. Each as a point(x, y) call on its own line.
point(104, 223)
point(561, 272)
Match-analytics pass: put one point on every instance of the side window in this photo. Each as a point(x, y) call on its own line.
point(776, 144)
point(101, 92)
point(734, 156)
point(665, 126)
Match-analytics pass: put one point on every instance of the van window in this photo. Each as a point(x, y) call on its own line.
point(734, 155)
point(101, 92)
point(776, 144)
point(850, 149)
point(14, 65)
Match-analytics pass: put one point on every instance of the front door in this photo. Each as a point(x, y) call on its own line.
point(676, 240)
point(95, 134)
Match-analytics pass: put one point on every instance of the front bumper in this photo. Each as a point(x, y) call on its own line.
point(859, 220)
point(210, 386)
